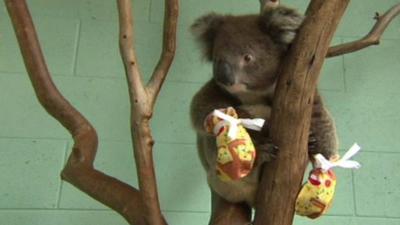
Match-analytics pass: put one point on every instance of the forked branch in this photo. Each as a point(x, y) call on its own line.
point(142, 100)
point(139, 208)
point(372, 38)
point(79, 169)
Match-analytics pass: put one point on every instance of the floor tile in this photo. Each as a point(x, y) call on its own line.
point(30, 177)
point(376, 185)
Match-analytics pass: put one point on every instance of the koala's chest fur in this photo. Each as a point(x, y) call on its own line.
point(257, 104)
point(252, 105)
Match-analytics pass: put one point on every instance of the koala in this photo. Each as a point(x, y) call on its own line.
point(246, 53)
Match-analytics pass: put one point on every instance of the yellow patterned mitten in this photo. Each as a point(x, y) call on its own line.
point(316, 195)
point(235, 149)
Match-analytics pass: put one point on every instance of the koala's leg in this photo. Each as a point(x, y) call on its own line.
point(323, 137)
point(224, 212)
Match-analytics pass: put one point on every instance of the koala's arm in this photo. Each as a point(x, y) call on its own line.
point(323, 131)
point(282, 23)
point(209, 98)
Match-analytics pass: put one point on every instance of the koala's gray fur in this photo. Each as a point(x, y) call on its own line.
point(246, 52)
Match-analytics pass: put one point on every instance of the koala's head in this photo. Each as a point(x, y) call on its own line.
point(246, 51)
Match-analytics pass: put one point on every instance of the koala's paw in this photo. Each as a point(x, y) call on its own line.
point(326, 148)
point(283, 23)
point(312, 144)
point(266, 152)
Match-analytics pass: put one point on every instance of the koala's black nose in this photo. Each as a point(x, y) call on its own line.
point(223, 73)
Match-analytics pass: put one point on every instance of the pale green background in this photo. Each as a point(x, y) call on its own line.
point(79, 39)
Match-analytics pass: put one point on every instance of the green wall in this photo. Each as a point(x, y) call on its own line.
point(80, 43)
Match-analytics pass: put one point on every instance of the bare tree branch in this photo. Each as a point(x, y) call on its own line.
point(142, 102)
point(126, 40)
point(168, 51)
point(372, 38)
point(79, 169)
point(291, 114)
point(140, 117)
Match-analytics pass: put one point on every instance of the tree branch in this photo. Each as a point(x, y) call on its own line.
point(291, 114)
point(142, 102)
point(141, 112)
point(372, 38)
point(168, 51)
point(79, 169)
point(127, 50)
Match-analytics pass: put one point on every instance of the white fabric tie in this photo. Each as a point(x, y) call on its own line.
point(253, 124)
point(344, 162)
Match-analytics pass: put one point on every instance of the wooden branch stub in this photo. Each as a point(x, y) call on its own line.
point(291, 114)
point(372, 38)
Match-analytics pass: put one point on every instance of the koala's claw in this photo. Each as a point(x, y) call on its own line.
point(312, 139)
point(312, 144)
point(267, 152)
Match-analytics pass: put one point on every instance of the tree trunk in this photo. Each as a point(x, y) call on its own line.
point(291, 114)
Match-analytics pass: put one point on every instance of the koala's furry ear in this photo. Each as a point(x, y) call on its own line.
point(205, 29)
point(282, 23)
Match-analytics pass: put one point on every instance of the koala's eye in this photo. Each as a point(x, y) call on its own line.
point(248, 58)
